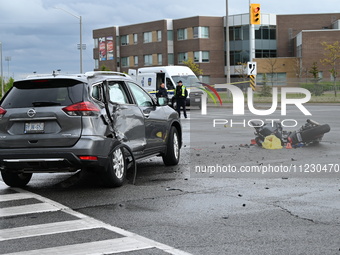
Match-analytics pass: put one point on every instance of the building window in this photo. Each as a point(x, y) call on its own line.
point(135, 60)
point(159, 59)
point(147, 37)
point(182, 34)
point(96, 63)
point(125, 61)
point(159, 36)
point(245, 32)
point(124, 40)
point(135, 38)
point(265, 53)
point(272, 32)
point(147, 60)
point(182, 57)
point(171, 60)
point(96, 43)
point(266, 32)
point(205, 56)
point(196, 56)
point(201, 56)
point(170, 35)
point(201, 32)
point(237, 57)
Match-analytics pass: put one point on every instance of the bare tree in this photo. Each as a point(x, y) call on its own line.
point(271, 68)
point(242, 71)
point(332, 59)
point(298, 68)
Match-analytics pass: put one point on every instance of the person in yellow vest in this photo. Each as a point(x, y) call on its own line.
point(181, 95)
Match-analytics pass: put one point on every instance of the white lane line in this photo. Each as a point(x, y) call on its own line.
point(117, 245)
point(45, 229)
point(27, 209)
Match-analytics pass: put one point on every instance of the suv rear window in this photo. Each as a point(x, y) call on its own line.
point(35, 93)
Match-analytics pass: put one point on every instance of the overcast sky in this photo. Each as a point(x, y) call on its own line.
point(40, 38)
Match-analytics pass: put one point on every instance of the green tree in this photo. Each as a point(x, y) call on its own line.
point(314, 70)
point(332, 58)
point(193, 66)
point(104, 68)
point(7, 85)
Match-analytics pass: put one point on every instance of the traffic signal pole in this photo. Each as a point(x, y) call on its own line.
point(251, 42)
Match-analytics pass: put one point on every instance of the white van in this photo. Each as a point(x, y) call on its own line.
point(150, 79)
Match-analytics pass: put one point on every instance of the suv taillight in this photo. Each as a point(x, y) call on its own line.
point(81, 109)
point(2, 112)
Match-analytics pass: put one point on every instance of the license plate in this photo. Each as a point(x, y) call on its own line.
point(34, 127)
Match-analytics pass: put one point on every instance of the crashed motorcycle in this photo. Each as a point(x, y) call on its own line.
point(310, 132)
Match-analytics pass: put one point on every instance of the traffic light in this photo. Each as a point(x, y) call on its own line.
point(255, 14)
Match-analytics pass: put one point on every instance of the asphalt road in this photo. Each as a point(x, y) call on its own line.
point(277, 213)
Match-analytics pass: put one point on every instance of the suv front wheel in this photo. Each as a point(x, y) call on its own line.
point(116, 168)
point(16, 179)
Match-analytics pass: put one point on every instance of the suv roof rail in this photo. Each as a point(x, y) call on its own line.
point(37, 75)
point(47, 75)
point(98, 73)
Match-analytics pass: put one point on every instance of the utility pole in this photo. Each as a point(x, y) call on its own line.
point(227, 48)
point(2, 74)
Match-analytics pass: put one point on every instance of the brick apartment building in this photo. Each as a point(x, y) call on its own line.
point(163, 42)
point(300, 36)
point(283, 43)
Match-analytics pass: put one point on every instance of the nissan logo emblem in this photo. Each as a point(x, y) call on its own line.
point(31, 113)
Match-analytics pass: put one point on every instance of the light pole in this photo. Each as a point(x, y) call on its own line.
point(2, 76)
point(80, 37)
point(227, 43)
point(8, 59)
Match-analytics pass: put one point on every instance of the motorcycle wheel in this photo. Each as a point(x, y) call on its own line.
point(314, 133)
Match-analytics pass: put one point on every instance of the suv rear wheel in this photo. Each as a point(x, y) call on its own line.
point(115, 171)
point(16, 179)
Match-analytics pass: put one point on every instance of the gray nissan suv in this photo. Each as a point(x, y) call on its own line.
point(99, 121)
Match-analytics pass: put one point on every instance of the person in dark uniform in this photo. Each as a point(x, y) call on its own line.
point(162, 92)
point(181, 95)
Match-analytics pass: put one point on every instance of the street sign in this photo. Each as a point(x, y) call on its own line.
point(251, 68)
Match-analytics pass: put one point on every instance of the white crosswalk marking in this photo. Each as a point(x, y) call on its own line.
point(26, 209)
point(127, 241)
point(108, 246)
point(45, 229)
